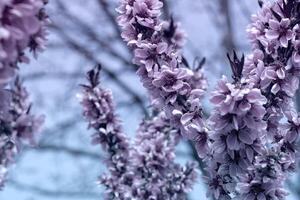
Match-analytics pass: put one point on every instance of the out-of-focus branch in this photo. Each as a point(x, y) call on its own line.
point(112, 19)
point(73, 45)
point(244, 10)
point(55, 75)
point(212, 13)
point(166, 9)
point(110, 16)
point(89, 32)
point(58, 128)
point(228, 37)
point(53, 193)
point(64, 149)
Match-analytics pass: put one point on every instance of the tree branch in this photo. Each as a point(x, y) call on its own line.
point(64, 149)
point(228, 38)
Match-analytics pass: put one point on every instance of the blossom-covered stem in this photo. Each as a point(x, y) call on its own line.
point(251, 151)
point(157, 174)
point(274, 70)
point(173, 87)
point(98, 109)
point(237, 126)
point(273, 67)
point(18, 125)
point(145, 171)
point(275, 62)
point(22, 27)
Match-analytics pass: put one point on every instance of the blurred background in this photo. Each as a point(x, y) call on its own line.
point(65, 166)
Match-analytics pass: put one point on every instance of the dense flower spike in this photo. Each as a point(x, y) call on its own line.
point(272, 71)
point(274, 68)
point(160, 176)
point(99, 110)
point(22, 27)
point(264, 179)
point(173, 87)
point(18, 125)
point(237, 128)
point(146, 171)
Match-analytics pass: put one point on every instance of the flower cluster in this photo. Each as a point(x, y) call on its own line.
point(17, 124)
point(146, 170)
point(287, 141)
point(274, 65)
point(237, 128)
point(264, 179)
point(99, 111)
point(253, 130)
point(160, 176)
point(259, 150)
point(22, 26)
point(173, 87)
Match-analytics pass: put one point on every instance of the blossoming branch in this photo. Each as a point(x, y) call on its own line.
point(22, 28)
point(143, 169)
point(175, 88)
point(249, 141)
